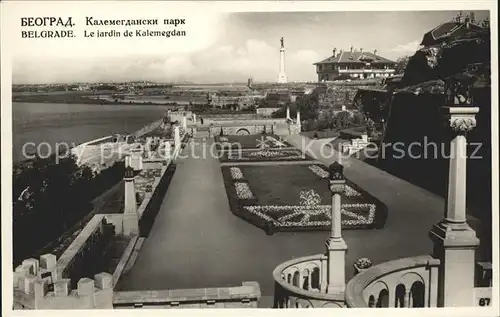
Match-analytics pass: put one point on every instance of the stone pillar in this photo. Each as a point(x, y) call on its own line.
point(194, 117)
point(407, 300)
point(184, 123)
point(324, 276)
point(298, 120)
point(336, 246)
point(130, 217)
point(177, 138)
point(287, 112)
point(454, 240)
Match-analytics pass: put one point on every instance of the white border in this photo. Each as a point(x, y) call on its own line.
point(231, 6)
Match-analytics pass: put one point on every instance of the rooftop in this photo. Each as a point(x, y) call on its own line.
point(356, 57)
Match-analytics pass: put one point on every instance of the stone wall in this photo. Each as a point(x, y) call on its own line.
point(241, 129)
point(245, 296)
point(88, 251)
point(35, 288)
point(151, 204)
point(266, 112)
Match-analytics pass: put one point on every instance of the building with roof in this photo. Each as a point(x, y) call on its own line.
point(458, 27)
point(354, 64)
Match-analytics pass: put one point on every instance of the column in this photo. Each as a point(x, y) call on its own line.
point(298, 120)
point(407, 300)
point(287, 112)
point(184, 123)
point(194, 117)
point(454, 240)
point(323, 276)
point(336, 246)
point(130, 217)
point(177, 138)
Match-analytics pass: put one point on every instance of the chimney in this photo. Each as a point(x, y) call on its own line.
point(352, 48)
point(334, 51)
point(361, 50)
point(375, 51)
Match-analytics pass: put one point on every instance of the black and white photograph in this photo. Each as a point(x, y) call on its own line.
point(260, 155)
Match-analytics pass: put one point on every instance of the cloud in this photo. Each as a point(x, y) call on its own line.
point(218, 63)
point(410, 47)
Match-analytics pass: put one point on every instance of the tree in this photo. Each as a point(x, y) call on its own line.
point(370, 128)
point(343, 119)
point(358, 118)
point(401, 64)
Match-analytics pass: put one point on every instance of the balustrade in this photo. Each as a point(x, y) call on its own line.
point(302, 283)
point(409, 282)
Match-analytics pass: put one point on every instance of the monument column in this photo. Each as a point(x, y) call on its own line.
point(335, 245)
point(130, 217)
point(454, 240)
point(282, 75)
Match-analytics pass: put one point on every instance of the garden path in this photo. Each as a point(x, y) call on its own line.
point(197, 242)
point(412, 209)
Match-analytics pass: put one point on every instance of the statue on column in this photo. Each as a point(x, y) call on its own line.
point(282, 42)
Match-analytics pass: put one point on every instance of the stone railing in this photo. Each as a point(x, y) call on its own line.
point(88, 246)
point(245, 296)
point(408, 282)
point(302, 283)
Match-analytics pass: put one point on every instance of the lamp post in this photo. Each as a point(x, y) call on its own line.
point(335, 245)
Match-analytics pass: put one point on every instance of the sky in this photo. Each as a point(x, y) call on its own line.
point(225, 47)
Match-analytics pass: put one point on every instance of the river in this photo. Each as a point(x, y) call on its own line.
point(43, 125)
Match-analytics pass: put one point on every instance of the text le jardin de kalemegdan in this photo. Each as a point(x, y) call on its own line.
point(58, 27)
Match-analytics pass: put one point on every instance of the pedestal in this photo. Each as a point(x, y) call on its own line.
point(336, 249)
point(454, 245)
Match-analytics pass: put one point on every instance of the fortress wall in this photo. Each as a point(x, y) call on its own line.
point(34, 288)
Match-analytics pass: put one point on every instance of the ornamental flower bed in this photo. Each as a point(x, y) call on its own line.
point(265, 154)
point(291, 198)
point(144, 182)
point(236, 173)
point(254, 141)
point(243, 190)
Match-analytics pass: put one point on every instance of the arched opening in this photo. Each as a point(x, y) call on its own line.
point(371, 301)
point(315, 278)
point(306, 282)
point(295, 281)
point(383, 298)
point(400, 295)
point(418, 294)
point(242, 132)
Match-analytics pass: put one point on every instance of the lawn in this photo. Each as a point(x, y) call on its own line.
point(296, 197)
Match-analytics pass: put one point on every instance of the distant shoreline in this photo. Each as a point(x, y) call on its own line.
point(75, 99)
